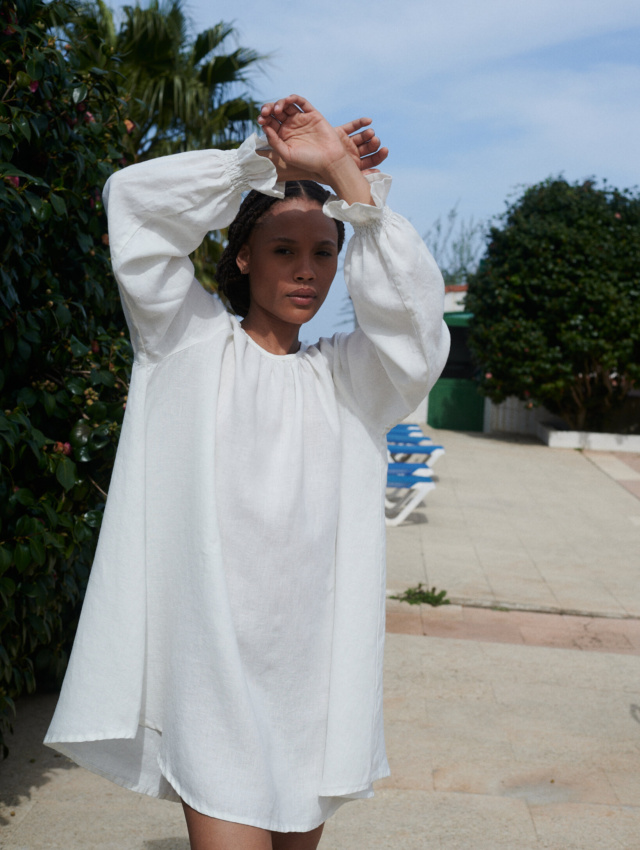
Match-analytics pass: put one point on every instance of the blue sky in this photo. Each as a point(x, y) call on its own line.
point(474, 98)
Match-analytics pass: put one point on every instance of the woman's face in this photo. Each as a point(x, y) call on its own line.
point(291, 258)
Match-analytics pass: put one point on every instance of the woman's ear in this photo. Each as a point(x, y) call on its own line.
point(242, 259)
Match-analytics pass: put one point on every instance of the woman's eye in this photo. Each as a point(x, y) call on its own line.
point(283, 250)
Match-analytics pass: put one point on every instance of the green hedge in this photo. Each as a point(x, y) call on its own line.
point(65, 357)
point(556, 302)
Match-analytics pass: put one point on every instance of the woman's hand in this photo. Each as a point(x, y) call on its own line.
point(305, 146)
point(362, 145)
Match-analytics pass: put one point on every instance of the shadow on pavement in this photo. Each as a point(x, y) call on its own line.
point(29, 763)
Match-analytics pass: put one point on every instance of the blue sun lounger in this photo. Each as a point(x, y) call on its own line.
point(406, 430)
point(405, 490)
point(403, 450)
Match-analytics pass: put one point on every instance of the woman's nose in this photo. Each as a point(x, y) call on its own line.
point(305, 270)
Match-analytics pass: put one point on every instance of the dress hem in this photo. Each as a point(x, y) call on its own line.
point(345, 795)
point(87, 764)
point(242, 819)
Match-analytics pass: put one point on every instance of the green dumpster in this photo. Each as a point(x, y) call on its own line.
point(454, 402)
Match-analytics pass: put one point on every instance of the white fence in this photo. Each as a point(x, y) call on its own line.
point(514, 417)
point(511, 416)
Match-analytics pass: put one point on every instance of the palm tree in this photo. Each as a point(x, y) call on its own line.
point(181, 92)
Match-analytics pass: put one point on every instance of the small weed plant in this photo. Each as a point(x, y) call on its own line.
point(421, 595)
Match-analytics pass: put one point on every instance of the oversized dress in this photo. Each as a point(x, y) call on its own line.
point(230, 646)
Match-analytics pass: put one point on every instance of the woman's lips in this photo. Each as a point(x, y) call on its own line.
point(302, 297)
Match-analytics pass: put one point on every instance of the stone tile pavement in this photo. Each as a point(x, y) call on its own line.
point(515, 523)
point(516, 728)
point(498, 746)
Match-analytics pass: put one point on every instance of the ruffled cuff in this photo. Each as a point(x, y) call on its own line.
point(362, 215)
point(248, 170)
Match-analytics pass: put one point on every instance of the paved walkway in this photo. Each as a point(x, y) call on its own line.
point(515, 523)
point(513, 728)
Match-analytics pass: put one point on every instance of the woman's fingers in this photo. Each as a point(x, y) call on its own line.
point(266, 110)
point(274, 140)
point(366, 143)
point(363, 146)
point(374, 159)
point(285, 107)
point(357, 124)
point(296, 100)
point(269, 121)
point(364, 139)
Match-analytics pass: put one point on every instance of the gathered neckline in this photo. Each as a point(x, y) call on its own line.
point(302, 350)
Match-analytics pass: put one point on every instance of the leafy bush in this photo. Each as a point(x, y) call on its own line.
point(556, 302)
point(65, 359)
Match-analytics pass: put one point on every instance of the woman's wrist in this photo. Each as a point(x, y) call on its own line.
point(348, 182)
point(284, 171)
point(342, 175)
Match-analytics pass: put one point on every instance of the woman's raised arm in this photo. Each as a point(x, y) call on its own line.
point(386, 367)
point(159, 211)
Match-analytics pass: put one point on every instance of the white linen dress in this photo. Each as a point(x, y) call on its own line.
point(230, 646)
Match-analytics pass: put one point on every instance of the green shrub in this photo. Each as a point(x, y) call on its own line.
point(65, 359)
point(556, 302)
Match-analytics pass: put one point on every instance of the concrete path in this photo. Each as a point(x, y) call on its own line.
point(515, 523)
point(515, 728)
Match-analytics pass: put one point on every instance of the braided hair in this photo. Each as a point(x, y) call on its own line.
point(232, 284)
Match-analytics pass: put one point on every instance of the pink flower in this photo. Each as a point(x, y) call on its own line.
point(66, 449)
point(33, 86)
point(14, 180)
point(488, 375)
point(88, 117)
point(617, 215)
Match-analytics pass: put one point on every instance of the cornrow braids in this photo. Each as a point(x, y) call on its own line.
point(231, 282)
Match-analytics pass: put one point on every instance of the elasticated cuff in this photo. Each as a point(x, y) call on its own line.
point(358, 214)
point(248, 170)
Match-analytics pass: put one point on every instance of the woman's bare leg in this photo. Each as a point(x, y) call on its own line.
point(297, 840)
point(207, 833)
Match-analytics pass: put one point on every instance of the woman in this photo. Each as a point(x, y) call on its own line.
point(229, 653)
